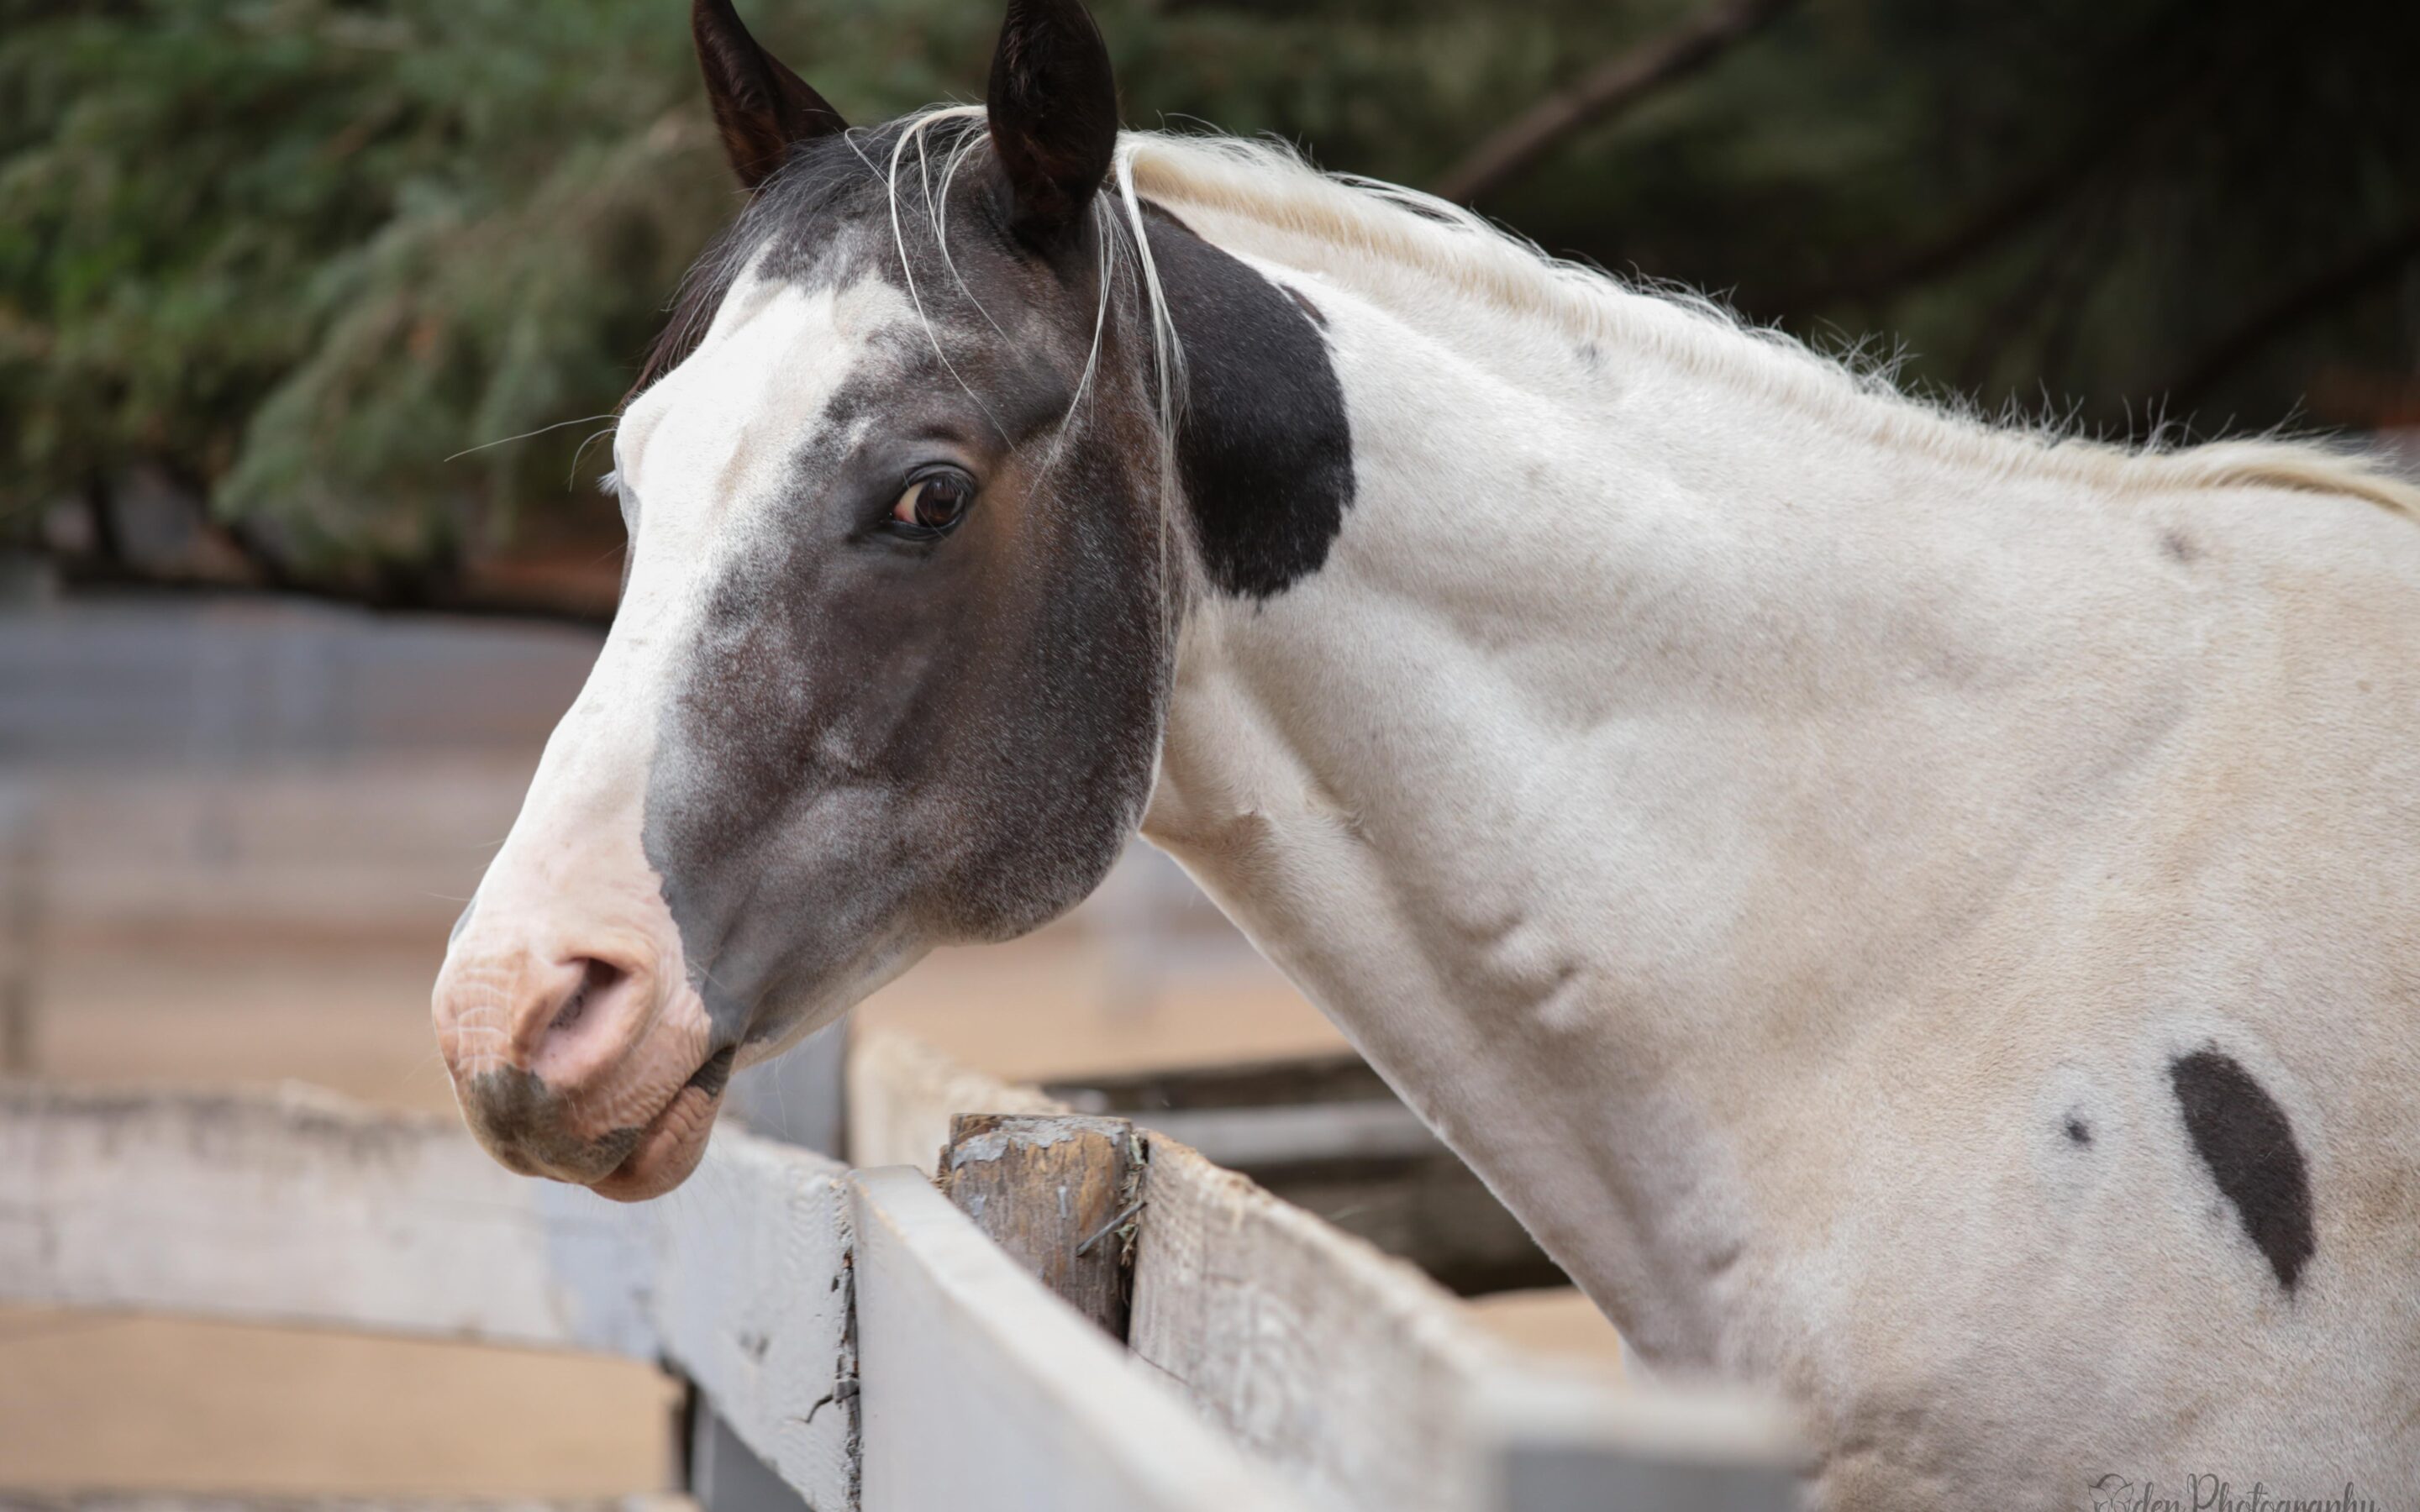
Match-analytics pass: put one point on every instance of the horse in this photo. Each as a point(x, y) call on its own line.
point(1917, 913)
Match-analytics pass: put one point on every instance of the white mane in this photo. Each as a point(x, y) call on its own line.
point(1420, 246)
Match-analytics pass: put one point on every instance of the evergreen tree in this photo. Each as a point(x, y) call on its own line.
point(304, 254)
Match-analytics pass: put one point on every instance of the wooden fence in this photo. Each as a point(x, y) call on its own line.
point(856, 1337)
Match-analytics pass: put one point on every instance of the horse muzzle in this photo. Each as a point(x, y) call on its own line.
point(589, 1060)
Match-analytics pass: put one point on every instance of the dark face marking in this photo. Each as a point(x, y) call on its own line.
point(879, 744)
point(1264, 445)
point(2244, 1136)
point(2078, 1131)
point(2178, 545)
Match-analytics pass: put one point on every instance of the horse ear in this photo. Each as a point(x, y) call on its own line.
point(1054, 114)
point(759, 104)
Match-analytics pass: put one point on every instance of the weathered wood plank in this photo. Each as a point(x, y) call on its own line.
point(300, 1207)
point(1324, 1133)
point(1348, 1370)
point(1298, 1134)
point(903, 1093)
point(1565, 1445)
point(297, 1207)
point(21, 932)
point(1352, 1374)
point(751, 1301)
point(16, 1501)
point(1365, 1382)
point(983, 1390)
point(1059, 1195)
point(1292, 1081)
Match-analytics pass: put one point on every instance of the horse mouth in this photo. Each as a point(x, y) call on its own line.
point(669, 1147)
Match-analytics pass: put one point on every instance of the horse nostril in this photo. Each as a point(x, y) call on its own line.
point(596, 978)
point(601, 1013)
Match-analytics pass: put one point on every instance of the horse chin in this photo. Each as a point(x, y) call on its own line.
point(672, 1142)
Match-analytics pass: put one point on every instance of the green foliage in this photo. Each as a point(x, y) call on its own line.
point(303, 253)
point(301, 250)
point(2126, 184)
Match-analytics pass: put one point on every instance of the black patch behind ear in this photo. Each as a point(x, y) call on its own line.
point(1054, 114)
point(760, 106)
point(2243, 1135)
point(1263, 443)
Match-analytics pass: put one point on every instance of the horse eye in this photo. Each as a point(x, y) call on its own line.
point(934, 503)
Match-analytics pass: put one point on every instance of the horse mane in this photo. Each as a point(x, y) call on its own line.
point(1416, 246)
point(1421, 244)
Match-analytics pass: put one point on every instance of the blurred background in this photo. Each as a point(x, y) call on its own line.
point(269, 268)
point(313, 313)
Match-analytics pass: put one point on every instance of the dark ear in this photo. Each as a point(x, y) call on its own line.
point(761, 106)
point(1054, 114)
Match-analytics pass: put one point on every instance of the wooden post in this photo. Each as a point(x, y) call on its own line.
point(20, 926)
point(980, 1392)
point(795, 1099)
point(1059, 1194)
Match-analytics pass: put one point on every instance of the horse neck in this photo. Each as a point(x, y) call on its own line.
point(1640, 719)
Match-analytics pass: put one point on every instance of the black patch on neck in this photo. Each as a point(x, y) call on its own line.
point(2243, 1137)
point(1264, 446)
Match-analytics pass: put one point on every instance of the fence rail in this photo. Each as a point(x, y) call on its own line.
point(1354, 1374)
point(858, 1333)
